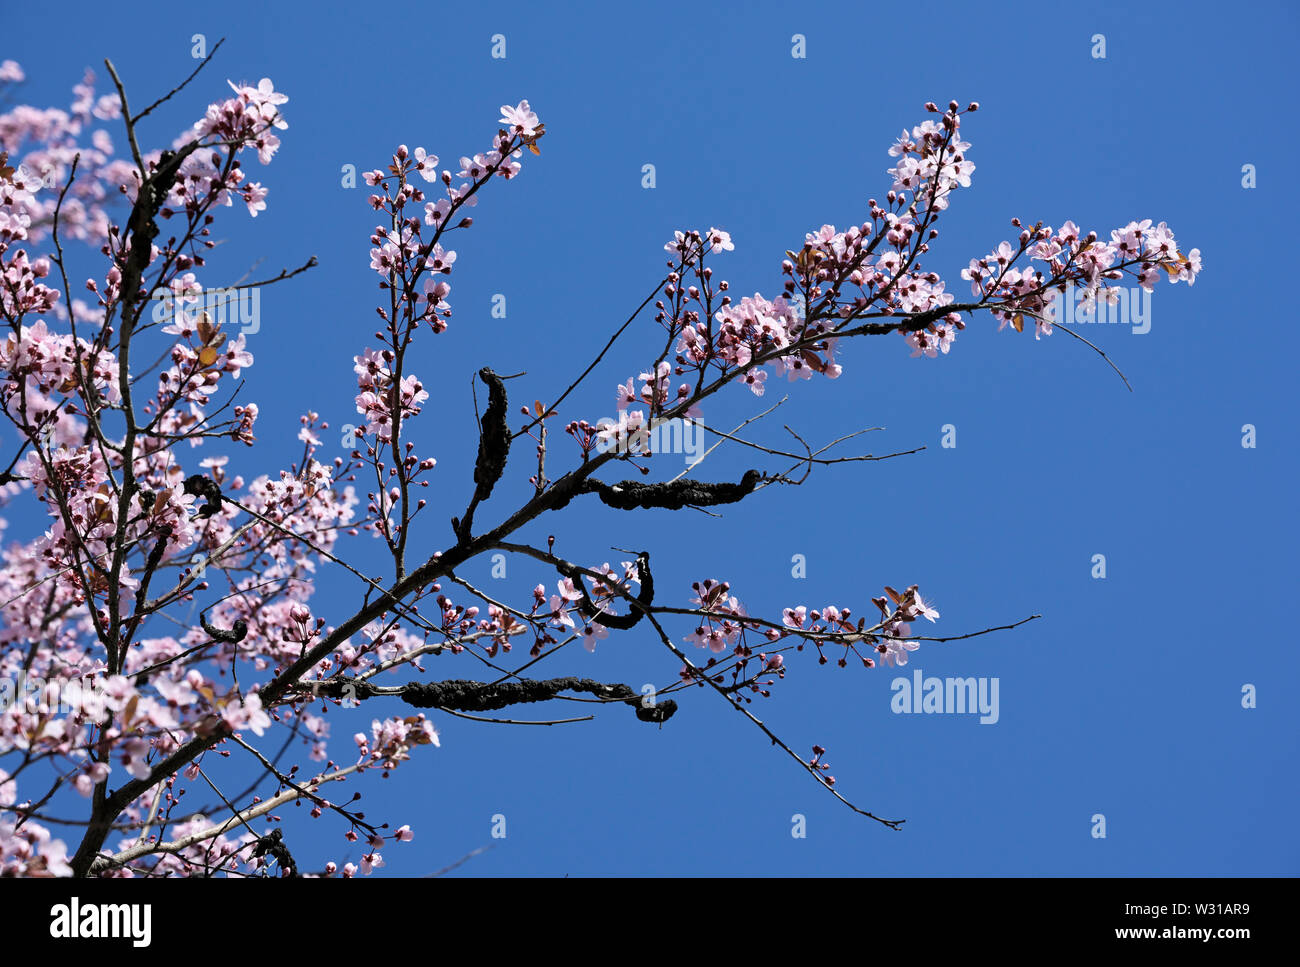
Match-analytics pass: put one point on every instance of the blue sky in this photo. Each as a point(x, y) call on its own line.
point(1124, 699)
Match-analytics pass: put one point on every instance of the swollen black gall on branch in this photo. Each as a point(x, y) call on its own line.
point(207, 488)
point(673, 495)
point(469, 696)
point(619, 622)
point(493, 449)
point(494, 440)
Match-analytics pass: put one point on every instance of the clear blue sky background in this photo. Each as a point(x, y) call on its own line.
point(1124, 699)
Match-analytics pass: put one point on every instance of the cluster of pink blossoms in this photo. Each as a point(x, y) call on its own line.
point(70, 702)
point(40, 367)
point(725, 626)
point(871, 273)
point(249, 119)
point(379, 388)
point(1137, 250)
point(54, 137)
point(413, 265)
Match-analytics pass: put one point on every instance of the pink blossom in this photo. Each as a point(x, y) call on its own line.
point(246, 714)
point(520, 119)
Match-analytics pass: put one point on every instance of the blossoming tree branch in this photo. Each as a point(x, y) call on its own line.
point(167, 609)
